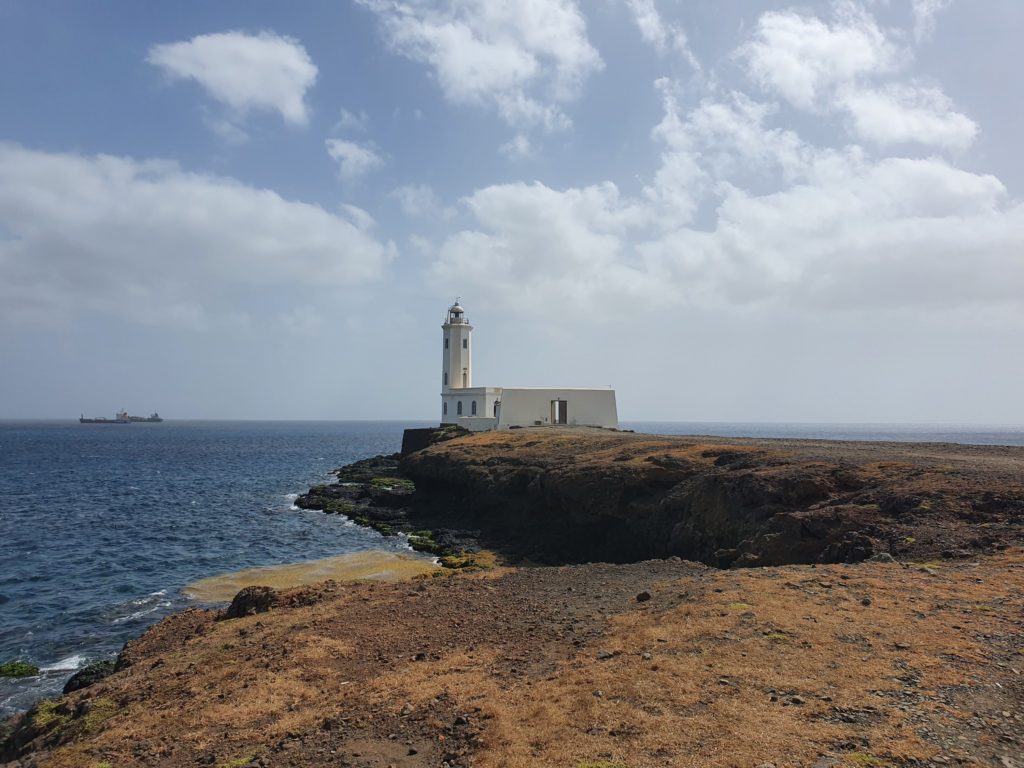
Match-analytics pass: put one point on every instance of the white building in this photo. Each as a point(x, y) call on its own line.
point(484, 408)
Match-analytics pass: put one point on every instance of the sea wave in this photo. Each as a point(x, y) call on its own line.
point(69, 664)
point(143, 606)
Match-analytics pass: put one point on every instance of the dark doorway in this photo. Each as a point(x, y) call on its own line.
point(559, 411)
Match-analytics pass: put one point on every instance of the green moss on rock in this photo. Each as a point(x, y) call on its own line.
point(424, 541)
point(18, 669)
point(337, 506)
point(392, 484)
point(238, 762)
point(46, 716)
point(100, 710)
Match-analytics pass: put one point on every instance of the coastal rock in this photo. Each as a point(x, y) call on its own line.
point(250, 601)
point(578, 495)
point(89, 675)
point(18, 669)
point(883, 557)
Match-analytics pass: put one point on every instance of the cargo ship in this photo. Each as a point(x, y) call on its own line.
point(122, 417)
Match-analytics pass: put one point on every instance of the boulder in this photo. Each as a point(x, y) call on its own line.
point(89, 675)
point(250, 601)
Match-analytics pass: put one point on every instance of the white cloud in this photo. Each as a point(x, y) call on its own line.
point(859, 233)
point(151, 242)
point(352, 121)
point(517, 148)
point(664, 36)
point(719, 139)
point(523, 58)
point(836, 68)
point(354, 160)
point(536, 247)
point(925, 12)
point(802, 58)
point(360, 218)
point(900, 114)
point(264, 72)
point(229, 132)
point(830, 229)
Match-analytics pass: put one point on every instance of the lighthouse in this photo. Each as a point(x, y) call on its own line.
point(457, 363)
point(485, 408)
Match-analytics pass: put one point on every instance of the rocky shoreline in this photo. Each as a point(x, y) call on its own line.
point(888, 631)
point(565, 496)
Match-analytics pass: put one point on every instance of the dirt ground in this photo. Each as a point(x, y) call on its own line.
point(657, 663)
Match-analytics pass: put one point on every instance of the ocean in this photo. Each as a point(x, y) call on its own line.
point(101, 526)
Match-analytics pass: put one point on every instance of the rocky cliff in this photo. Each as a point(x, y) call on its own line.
point(564, 495)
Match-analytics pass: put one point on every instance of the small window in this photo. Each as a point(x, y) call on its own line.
point(458, 407)
point(446, 342)
point(472, 408)
point(496, 404)
point(444, 408)
point(465, 343)
point(446, 378)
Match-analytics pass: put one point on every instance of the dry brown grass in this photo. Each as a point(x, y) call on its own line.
point(719, 643)
point(703, 698)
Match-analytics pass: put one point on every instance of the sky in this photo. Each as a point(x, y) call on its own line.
point(729, 210)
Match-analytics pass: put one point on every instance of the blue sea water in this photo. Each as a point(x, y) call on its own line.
point(102, 525)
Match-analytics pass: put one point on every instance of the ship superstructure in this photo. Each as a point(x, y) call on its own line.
point(121, 417)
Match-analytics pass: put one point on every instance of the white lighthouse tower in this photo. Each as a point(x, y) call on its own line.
point(459, 400)
point(457, 365)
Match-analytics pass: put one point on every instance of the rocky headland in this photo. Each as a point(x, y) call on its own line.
point(583, 495)
point(612, 600)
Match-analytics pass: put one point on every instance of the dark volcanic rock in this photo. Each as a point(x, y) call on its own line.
point(576, 495)
point(89, 675)
point(250, 601)
point(572, 495)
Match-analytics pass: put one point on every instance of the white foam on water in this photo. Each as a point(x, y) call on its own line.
point(143, 612)
point(293, 508)
point(149, 598)
point(152, 602)
point(291, 496)
point(70, 664)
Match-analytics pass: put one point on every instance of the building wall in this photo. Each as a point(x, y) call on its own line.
point(585, 407)
point(485, 398)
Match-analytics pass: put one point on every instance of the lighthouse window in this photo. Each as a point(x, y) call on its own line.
point(446, 343)
point(465, 343)
point(446, 378)
point(458, 407)
point(472, 408)
point(444, 408)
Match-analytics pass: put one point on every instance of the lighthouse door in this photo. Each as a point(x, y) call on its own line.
point(559, 411)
